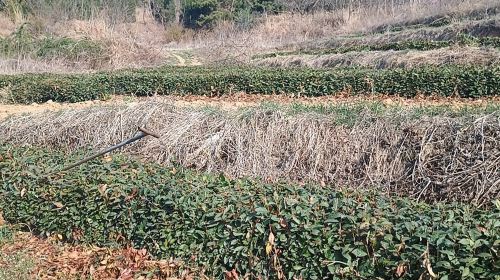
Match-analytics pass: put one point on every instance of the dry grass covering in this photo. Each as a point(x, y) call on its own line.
point(326, 29)
point(29, 65)
point(487, 27)
point(136, 44)
point(429, 158)
point(127, 45)
point(367, 19)
point(389, 59)
point(147, 43)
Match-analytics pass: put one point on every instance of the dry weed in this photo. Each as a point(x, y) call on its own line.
point(147, 43)
point(389, 59)
point(431, 159)
point(7, 26)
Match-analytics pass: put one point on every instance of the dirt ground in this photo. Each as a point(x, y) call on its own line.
point(239, 100)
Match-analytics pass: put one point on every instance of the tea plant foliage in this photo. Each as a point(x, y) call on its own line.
point(463, 81)
point(258, 229)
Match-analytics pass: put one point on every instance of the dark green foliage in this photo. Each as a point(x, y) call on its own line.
point(198, 13)
point(220, 224)
point(463, 81)
point(205, 13)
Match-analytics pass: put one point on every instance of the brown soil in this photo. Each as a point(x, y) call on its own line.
point(239, 100)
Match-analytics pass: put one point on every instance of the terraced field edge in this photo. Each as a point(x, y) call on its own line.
point(461, 81)
point(259, 230)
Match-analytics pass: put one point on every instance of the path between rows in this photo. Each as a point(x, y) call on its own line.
point(235, 101)
point(182, 61)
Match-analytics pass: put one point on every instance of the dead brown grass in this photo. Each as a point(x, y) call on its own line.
point(484, 27)
point(146, 43)
point(389, 59)
point(7, 26)
point(29, 65)
point(137, 44)
point(128, 45)
point(430, 158)
point(329, 29)
point(367, 19)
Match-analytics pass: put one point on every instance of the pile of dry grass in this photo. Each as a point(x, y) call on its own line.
point(125, 45)
point(389, 59)
point(431, 159)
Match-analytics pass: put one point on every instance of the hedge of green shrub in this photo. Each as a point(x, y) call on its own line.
point(260, 230)
point(464, 81)
point(421, 45)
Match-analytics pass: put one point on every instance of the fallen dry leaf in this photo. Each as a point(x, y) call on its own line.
point(102, 189)
point(401, 270)
point(55, 261)
point(482, 229)
point(107, 158)
point(132, 194)
point(270, 243)
point(59, 205)
point(231, 275)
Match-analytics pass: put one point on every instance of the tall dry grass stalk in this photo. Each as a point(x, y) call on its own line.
point(431, 158)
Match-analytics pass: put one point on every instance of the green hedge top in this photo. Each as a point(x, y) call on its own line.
point(261, 230)
point(421, 45)
point(463, 81)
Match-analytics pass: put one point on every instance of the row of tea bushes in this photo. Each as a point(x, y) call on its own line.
point(421, 45)
point(463, 81)
point(258, 229)
point(440, 20)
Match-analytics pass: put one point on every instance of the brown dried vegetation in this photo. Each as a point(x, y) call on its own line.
point(53, 260)
point(429, 158)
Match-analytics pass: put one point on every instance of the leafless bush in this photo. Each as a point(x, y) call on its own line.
point(431, 159)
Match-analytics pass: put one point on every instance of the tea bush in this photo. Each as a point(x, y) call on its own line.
point(421, 45)
point(463, 81)
point(261, 230)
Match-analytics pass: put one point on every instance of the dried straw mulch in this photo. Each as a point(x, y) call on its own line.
point(430, 158)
